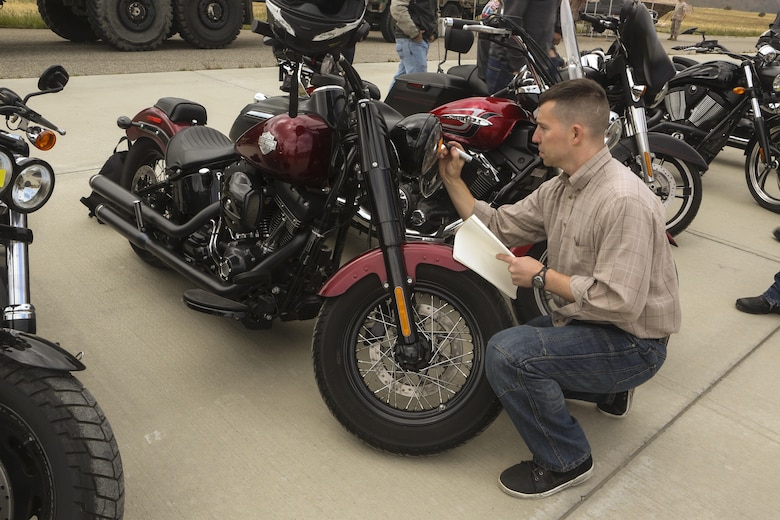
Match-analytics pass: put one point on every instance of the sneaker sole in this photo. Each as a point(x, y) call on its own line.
point(571, 483)
point(621, 416)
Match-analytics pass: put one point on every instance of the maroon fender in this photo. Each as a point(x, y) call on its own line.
point(371, 262)
point(157, 118)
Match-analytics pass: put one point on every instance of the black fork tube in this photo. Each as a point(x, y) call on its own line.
point(376, 167)
point(762, 135)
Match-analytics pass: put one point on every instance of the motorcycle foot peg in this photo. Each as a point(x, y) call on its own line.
point(209, 303)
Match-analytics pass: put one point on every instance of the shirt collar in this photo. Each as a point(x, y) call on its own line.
point(587, 171)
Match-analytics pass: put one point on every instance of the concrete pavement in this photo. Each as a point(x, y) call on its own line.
point(215, 421)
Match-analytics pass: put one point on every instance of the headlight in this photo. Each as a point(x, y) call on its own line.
point(776, 84)
point(767, 53)
point(32, 186)
point(416, 138)
point(6, 170)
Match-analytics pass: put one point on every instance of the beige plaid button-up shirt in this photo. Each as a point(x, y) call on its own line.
point(606, 230)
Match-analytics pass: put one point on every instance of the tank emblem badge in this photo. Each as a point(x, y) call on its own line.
point(267, 143)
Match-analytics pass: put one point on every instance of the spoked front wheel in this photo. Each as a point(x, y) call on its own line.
point(763, 179)
point(391, 403)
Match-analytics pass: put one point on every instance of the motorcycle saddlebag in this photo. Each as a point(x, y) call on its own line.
point(421, 92)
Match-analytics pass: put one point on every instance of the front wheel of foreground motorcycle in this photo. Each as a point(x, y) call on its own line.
point(145, 166)
point(763, 180)
point(58, 454)
point(393, 404)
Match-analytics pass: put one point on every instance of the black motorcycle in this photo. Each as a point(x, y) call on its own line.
point(260, 225)
point(718, 103)
point(58, 455)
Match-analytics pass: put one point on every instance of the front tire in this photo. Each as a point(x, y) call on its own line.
point(764, 180)
point(131, 25)
point(209, 24)
point(678, 185)
point(395, 408)
point(58, 454)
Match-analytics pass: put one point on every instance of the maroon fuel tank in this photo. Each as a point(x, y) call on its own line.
point(294, 150)
point(481, 123)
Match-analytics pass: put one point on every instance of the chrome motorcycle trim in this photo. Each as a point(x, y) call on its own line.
point(17, 264)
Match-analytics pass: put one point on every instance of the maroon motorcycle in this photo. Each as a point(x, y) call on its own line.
point(259, 224)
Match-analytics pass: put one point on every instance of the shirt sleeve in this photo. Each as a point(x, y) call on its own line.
point(399, 10)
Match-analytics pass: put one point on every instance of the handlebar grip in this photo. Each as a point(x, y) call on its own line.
point(457, 23)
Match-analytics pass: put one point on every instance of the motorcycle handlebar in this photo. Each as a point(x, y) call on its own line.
point(474, 26)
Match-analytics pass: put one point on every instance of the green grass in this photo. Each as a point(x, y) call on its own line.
point(21, 14)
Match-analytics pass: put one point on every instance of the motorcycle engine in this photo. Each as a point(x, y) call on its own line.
point(704, 108)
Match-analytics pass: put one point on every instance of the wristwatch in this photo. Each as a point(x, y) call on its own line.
point(538, 280)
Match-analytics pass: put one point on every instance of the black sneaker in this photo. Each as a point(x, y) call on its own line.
point(528, 480)
point(619, 408)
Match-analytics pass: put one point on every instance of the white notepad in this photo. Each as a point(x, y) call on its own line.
point(476, 248)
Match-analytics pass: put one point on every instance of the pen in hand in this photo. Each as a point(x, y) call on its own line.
point(463, 155)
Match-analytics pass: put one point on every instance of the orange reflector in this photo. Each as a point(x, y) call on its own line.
point(46, 140)
point(649, 164)
point(403, 313)
point(738, 90)
point(154, 119)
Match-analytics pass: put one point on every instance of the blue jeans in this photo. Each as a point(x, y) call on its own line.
point(531, 366)
point(772, 295)
point(414, 56)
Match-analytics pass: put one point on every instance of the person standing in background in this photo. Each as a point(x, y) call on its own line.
point(537, 17)
point(415, 29)
point(680, 11)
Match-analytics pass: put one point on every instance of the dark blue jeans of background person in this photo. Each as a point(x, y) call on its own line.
point(534, 367)
point(772, 295)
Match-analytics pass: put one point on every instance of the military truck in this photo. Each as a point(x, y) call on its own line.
point(378, 13)
point(142, 25)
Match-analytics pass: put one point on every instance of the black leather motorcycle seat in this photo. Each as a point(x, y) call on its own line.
point(474, 82)
point(181, 110)
point(199, 146)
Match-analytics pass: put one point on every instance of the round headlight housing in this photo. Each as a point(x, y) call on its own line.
point(6, 170)
point(417, 139)
point(31, 186)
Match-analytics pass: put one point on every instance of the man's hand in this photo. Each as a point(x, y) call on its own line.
point(522, 268)
point(418, 38)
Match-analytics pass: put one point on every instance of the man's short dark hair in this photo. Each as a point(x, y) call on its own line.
point(580, 101)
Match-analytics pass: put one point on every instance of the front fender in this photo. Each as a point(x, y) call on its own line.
point(34, 351)
point(660, 143)
point(373, 263)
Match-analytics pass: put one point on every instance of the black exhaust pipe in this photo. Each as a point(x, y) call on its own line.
point(130, 203)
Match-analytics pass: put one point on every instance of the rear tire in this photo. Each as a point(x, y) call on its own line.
point(58, 454)
point(145, 166)
point(65, 22)
point(417, 410)
point(131, 25)
point(208, 24)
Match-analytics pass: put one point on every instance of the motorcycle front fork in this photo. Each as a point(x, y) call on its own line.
point(377, 169)
point(19, 313)
point(636, 127)
point(759, 123)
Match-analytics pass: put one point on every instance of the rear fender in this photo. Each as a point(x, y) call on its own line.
point(373, 263)
point(34, 351)
point(660, 143)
